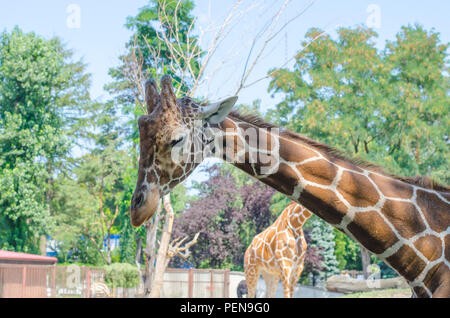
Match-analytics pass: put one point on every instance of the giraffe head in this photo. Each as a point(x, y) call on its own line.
point(175, 137)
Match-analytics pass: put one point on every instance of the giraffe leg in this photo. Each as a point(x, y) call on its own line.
point(285, 279)
point(271, 284)
point(252, 273)
point(297, 272)
point(295, 275)
point(251, 278)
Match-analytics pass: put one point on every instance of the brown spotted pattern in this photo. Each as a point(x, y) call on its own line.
point(364, 204)
point(405, 223)
point(278, 253)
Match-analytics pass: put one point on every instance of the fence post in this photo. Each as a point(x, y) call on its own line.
point(24, 280)
point(83, 281)
point(226, 283)
point(191, 283)
point(211, 284)
point(88, 283)
point(54, 281)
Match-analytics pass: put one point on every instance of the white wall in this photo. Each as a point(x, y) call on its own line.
point(176, 284)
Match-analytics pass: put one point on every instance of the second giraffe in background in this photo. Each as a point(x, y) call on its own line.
point(278, 253)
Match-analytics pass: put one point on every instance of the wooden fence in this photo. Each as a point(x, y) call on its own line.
point(39, 281)
point(27, 281)
point(196, 283)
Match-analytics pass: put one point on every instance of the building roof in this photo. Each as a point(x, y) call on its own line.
point(7, 256)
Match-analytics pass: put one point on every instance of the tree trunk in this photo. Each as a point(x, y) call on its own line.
point(97, 247)
point(138, 257)
point(163, 248)
point(348, 285)
point(43, 245)
point(108, 247)
point(150, 251)
point(417, 154)
point(365, 259)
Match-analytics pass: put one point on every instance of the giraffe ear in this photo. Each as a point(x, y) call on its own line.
point(215, 113)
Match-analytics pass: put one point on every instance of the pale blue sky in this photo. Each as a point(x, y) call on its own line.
point(102, 35)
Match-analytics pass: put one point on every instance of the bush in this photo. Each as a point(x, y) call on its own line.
point(121, 275)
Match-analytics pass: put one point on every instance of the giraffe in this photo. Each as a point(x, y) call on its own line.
point(278, 253)
point(404, 221)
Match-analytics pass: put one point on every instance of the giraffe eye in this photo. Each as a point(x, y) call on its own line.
point(176, 142)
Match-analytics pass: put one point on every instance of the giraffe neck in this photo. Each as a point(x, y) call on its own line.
point(294, 217)
point(405, 225)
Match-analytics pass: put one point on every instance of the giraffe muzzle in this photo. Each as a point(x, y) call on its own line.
point(143, 206)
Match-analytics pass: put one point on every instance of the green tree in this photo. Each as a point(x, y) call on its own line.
point(334, 90)
point(75, 215)
point(127, 244)
point(347, 252)
point(149, 56)
point(101, 176)
point(180, 198)
point(322, 237)
point(387, 106)
point(417, 117)
point(131, 239)
point(39, 86)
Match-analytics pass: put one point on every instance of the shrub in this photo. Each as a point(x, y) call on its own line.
point(121, 275)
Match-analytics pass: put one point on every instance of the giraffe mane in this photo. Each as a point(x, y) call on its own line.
point(421, 181)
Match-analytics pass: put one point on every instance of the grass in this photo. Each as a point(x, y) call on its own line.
point(385, 293)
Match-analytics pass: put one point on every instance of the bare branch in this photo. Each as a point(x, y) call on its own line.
point(286, 63)
point(183, 252)
point(161, 263)
point(270, 36)
point(97, 247)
